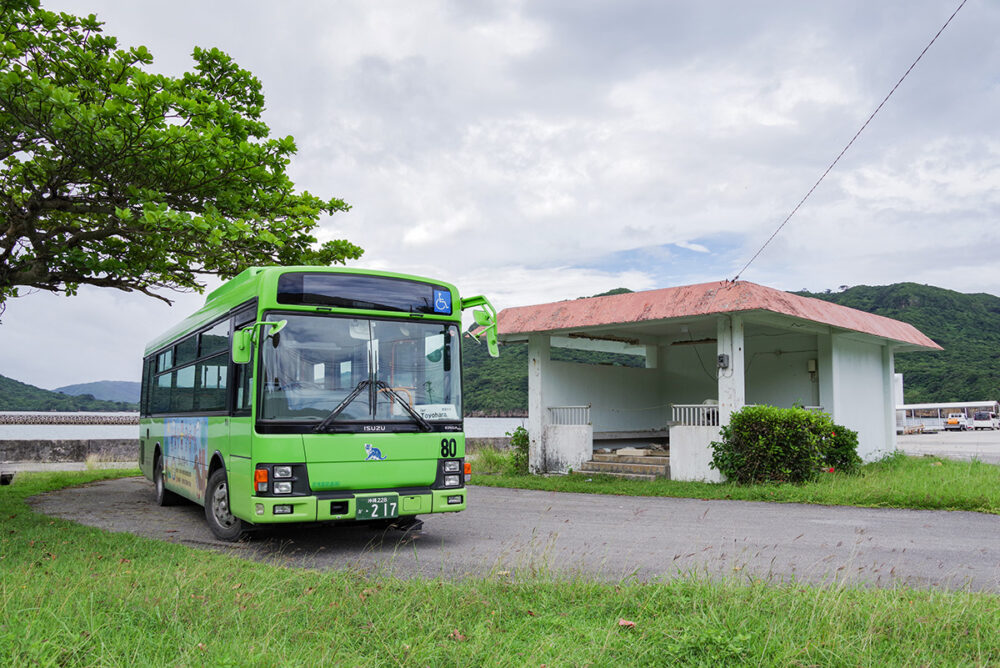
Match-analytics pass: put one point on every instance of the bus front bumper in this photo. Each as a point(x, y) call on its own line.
point(278, 510)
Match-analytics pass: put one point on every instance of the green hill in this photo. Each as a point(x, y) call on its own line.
point(966, 325)
point(494, 386)
point(18, 396)
point(106, 390)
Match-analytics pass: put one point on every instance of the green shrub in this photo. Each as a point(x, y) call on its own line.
point(840, 449)
point(769, 444)
point(519, 444)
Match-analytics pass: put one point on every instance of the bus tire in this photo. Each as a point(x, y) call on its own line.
point(221, 521)
point(164, 497)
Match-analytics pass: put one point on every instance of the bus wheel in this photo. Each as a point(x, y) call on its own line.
point(223, 523)
point(164, 497)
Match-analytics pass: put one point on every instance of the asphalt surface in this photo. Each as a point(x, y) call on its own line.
point(515, 533)
point(966, 445)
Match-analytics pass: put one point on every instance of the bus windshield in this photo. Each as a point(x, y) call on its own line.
point(361, 370)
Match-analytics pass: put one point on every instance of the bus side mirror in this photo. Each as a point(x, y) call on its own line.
point(486, 319)
point(243, 345)
point(243, 339)
point(489, 324)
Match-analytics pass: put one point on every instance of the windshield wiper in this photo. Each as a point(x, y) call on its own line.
point(417, 417)
point(322, 426)
point(382, 386)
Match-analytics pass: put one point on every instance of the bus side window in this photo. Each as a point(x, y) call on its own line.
point(242, 373)
point(243, 376)
point(148, 368)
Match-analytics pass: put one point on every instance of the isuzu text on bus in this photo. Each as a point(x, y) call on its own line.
point(311, 394)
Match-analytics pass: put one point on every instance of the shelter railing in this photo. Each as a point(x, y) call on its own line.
point(705, 415)
point(695, 415)
point(569, 415)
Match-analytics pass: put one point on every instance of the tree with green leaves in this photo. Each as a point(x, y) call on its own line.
point(114, 176)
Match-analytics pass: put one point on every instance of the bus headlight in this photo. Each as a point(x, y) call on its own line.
point(452, 466)
point(282, 487)
point(452, 480)
point(282, 471)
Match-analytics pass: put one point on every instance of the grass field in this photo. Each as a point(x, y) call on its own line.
point(73, 595)
point(895, 482)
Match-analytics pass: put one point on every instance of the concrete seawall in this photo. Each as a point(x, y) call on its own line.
point(70, 450)
point(67, 418)
point(126, 449)
point(474, 444)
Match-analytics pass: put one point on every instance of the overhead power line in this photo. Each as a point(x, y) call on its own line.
point(856, 135)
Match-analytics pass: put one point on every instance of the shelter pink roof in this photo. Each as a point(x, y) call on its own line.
point(701, 300)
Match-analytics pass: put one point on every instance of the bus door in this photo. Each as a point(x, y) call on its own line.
point(238, 462)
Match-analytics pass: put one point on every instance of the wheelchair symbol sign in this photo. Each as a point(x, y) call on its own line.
point(442, 301)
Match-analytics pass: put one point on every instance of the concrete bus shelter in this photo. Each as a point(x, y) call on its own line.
point(705, 350)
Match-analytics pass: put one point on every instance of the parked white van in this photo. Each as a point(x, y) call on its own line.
point(985, 420)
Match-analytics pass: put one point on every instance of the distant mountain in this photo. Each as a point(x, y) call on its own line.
point(967, 326)
point(18, 396)
point(107, 390)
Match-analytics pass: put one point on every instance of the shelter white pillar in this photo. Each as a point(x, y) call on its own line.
point(732, 382)
point(652, 356)
point(538, 362)
point(829, 380)
point(889, 392)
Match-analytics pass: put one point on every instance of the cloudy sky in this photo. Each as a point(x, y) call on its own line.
point(536, 151)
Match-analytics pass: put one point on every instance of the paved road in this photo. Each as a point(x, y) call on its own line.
point(518, 532)
point(981, 445)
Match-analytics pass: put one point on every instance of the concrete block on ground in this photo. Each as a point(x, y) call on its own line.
point(564, 447)
point(691, 453)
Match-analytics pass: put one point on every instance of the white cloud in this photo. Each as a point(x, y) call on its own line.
point(511, 147)
point(698, 248)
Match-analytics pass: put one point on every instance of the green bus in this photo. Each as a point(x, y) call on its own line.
point(312, 394)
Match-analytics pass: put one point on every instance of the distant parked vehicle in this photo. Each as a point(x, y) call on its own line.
point(985, 420)
point(957, 422)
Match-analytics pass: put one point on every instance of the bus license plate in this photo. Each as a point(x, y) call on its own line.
point(378, 507)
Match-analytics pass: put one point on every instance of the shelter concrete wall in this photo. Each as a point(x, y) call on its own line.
point(860, 394)
point(687, 374)
point(777, 370)
point(621, 398)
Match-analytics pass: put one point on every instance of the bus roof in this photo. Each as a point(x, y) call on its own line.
point(247, 285)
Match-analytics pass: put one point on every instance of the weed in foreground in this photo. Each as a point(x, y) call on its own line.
point(73, 595)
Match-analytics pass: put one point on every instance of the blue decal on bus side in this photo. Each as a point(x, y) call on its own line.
point(185, 454)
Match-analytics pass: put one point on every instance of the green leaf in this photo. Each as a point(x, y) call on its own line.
point(189, 152)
